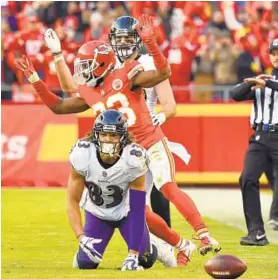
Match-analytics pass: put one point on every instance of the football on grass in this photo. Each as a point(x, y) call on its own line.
point(225, 267)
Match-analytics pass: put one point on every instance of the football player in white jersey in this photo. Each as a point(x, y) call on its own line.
point(165, 182)
point(127, 47)
point(112, 169)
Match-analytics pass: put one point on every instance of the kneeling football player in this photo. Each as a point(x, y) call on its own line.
point(112, 169)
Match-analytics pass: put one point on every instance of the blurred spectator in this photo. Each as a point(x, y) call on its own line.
point(218, 22)
point(164, 12)
point(7, 77)
point(248, 63)
point(200, 39)
point(8, 18)
point(181, 54)
point(197, 13)
point(177, 22)
point(224, 55)
point(47, 11)
point(73, 23)
point(97, 30)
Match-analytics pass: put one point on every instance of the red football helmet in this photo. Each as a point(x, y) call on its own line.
point(93, 60)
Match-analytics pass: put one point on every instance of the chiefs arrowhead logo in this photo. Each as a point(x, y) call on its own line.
point(117, 84)
point(103, 49)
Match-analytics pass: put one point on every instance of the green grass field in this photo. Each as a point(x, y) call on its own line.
point(37, 243)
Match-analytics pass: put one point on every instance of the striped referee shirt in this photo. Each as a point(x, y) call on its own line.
point(265, 101)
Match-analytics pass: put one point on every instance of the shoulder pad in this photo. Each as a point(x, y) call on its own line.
point(137, 157)
point(133, 67)
point(80, 155)
point(147, 62)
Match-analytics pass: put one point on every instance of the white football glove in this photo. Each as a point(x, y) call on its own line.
point(131, 263)
point(52, 41)
point(87, 245)
point(158, 119)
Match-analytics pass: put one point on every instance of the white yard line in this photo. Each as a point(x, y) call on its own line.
point(225, 206)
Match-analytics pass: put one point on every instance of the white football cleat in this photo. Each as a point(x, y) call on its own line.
point(165, 252)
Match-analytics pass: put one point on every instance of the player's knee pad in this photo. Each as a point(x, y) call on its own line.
point(148, 259)
point(82, 263)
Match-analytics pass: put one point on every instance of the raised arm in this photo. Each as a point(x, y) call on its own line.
point(65, 77)
point(66, 80)
point(52, 101)
point(148, 79)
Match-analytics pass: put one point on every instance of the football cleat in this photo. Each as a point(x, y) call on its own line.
point(183, 256)
point(208, 244)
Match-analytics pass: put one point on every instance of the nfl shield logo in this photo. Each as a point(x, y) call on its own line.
point(104, 174)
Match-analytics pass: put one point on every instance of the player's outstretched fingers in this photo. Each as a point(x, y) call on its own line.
point(19, 65)
point(148, 20)
point(143, 19)
point(151, 21)
point(22, 63)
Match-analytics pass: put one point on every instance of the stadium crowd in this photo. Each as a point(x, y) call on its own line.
point(211, 43)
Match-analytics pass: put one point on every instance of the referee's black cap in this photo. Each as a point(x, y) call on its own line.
point(273, 45)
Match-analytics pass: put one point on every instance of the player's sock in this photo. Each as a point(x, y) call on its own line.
point(159, 228)
point(185, 205)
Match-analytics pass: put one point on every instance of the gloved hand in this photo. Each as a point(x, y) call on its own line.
point(25, 65)
point(131, 263)
point(158, 119)
point(52, 41)
point(87, 245)
point(145, 28)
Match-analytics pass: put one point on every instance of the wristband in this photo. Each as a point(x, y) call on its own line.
point(57, 57)
point(34, 77)
point(79, 235)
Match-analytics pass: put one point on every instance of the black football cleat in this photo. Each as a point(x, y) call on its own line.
point(254, 238)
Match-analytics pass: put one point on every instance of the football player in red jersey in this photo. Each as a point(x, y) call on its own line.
point(118, 90)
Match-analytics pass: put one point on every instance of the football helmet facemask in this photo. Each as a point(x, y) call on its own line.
point(123, 37)
point(110, 121)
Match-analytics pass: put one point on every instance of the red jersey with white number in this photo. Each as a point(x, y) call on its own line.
point(116, 93)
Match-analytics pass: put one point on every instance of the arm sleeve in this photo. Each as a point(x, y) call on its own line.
point(137, 201)
point(242, 92)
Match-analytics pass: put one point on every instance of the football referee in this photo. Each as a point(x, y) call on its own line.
point(263, 145)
